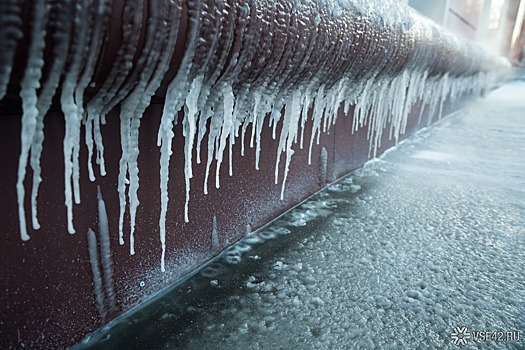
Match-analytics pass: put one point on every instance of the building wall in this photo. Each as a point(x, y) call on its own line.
point(491, 23)
point(435, 10)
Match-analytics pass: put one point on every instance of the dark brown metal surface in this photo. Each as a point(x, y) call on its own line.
point(46, 298)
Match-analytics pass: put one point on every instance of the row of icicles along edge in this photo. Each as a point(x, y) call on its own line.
point(378, 101)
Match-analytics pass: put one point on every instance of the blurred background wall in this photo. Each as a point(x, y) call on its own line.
point(495, 24)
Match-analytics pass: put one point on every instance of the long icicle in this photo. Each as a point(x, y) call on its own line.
point(174, 99)
point(61, 37)
point(72, 116)
point(10, 34)
point(28, 92)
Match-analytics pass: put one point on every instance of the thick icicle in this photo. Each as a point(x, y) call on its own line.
point(125, 129)
point(261, 114)
point(226, 129)
point(10, 33)
point(61, 39)
point(175, 96)
point(72, 115)
point(133, 107)
point(128, 106)
point(213, 139)
point(100, 23)
point(162, 55)
point(317, 117)
point(292, 119)
point(28, 92)
point(112, 90)
point(189, 129)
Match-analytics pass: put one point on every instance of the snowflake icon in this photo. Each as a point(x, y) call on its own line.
point(460, 335)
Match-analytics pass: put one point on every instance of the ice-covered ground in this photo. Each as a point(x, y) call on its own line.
point(428, 238)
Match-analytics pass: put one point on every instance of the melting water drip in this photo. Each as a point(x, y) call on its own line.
point(242, 66)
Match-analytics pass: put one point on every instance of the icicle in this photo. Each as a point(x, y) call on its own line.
point(231, 141)
point(10, 33)
point(204, 116)
point(245, 124)
point(99, 23)
point(213, 135)
point(292, 119)
point(256, 101)
point(97, 276)
point(93, 136)
point(125, 127)
point(61, 39)
point(399, 97)
point(28, 92)
point(175, 96)
point(112, 90)
point(129, 126)
point(73, 117)
point(379, 117)
point(211, 30)
point(226, 41)
point(105, 250)
point(304, 115)
point(157, 64)
point(226, 130)
point(133, 170)
point(317, 117)
point(326, 115)
point(362, 107)
point(211, 150)
point(443, 95)
point(164, 171)
point(261, 114)
point(190, 128)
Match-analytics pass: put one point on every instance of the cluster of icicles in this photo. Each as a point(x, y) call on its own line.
point(243, 63)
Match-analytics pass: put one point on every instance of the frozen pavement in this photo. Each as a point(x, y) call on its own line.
point(428, 238)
